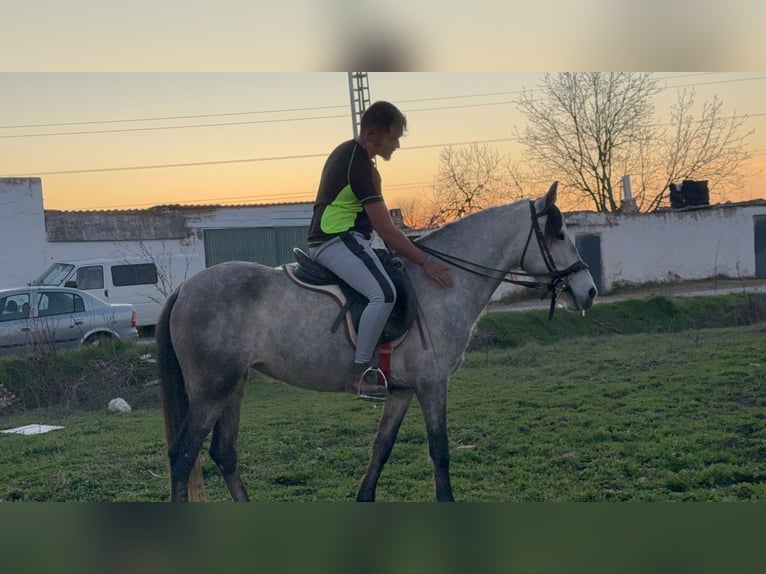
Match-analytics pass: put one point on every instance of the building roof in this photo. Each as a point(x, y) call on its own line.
point(178, 207)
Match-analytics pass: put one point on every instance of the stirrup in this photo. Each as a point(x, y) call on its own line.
point(382, 389)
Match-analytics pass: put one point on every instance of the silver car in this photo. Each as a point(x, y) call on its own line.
point(60, 316)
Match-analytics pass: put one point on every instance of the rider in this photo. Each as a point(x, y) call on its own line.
point(348, 207)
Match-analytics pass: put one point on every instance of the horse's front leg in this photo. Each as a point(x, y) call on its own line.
point(396, 406)
point(433, 404)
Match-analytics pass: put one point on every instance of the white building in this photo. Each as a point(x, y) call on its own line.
point(22, 221)
point(727, 240)
point(33, 237)
point(692, 243)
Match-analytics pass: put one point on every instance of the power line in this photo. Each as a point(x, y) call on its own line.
point(285, 110)
point(176, 127)
point(729, 81)
point(305, 156)
point(280, 120)
point(265, 159)
point(294, 119)
point(165, 118)
point(306, 196)
point(224, 124)
point(169, 165)
point(232, 161)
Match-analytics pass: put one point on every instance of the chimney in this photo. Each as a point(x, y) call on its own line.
point(628, 204)
point(397, 218)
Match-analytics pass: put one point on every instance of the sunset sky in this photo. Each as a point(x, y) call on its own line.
point(134, 140)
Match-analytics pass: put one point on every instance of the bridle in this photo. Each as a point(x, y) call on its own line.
point(558, 280)
point(555, 281)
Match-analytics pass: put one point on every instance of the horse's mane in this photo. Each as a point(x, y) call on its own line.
point(553, 223)
point(444, 231)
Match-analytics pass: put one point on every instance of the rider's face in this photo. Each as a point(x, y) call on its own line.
point(385, 144)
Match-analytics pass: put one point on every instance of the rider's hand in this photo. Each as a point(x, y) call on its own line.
point(438, 272)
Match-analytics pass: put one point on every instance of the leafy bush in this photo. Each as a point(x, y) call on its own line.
point(86, 378)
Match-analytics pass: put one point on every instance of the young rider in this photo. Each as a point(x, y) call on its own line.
point(348, 207)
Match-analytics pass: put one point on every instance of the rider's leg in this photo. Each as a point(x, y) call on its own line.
point(352, 258)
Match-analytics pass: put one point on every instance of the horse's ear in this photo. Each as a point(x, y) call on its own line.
point(550, 197)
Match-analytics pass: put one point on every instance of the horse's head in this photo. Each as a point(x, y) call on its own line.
point(554, 255)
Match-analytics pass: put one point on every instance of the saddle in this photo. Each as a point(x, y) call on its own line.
point(309, 274)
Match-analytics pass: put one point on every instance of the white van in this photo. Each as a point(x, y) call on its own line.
point(144, 282)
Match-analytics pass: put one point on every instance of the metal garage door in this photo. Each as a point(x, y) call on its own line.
point(270, 246)
point(759, 224)
point(589, 247)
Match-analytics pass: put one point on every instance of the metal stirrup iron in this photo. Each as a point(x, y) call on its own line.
point(380, 376)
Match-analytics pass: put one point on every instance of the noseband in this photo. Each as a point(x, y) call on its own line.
point(556, 281)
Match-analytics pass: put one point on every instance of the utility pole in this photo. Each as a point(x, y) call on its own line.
point(359, 96)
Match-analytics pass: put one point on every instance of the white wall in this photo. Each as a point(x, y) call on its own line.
point(636, 248)
point(673, 245)
point(22, 221)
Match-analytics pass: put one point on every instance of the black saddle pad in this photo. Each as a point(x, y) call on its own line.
point(406, 307)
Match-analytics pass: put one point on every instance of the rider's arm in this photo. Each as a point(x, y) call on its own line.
point(399, 242)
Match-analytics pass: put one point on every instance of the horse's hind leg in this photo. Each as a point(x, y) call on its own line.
point(396, 406)
point(223, 448)
point(186, 446)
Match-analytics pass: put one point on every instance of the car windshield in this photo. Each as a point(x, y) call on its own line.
point(55, 274)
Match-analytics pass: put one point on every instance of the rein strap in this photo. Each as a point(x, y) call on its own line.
point(556, 279)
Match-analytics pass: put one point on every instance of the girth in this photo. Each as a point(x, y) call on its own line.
point(309, 274)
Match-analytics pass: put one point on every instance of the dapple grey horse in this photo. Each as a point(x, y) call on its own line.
point(270, 325)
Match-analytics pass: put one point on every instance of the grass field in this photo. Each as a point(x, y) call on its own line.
point(630, 403)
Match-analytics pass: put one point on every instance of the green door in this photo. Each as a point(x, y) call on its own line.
point(270, 246)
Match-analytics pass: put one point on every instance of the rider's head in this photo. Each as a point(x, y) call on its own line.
point(381, 127)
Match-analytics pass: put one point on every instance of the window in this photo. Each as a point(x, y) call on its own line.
point(90, 277)
point(141, 274)
point(14, 307)
point(54, 275)
point(56, 303)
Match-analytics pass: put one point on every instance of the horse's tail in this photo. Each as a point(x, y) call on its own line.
point(175, 403)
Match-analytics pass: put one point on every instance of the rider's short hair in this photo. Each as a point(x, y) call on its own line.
point(381, 116)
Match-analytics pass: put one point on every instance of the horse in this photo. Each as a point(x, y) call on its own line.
point(272, 326)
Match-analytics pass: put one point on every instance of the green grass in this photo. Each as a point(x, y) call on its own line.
point(637, 417)
point(664, 415)
point(652, 315)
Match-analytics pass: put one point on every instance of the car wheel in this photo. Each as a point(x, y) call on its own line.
point(97, 339)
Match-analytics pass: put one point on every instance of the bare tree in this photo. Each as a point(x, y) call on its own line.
point(709, 147)
point(473, 178)
point(420, 212)
point(168, 276)
point(584, 124)
point(590, 129)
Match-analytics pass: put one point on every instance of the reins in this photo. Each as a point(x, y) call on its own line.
point(556, 279)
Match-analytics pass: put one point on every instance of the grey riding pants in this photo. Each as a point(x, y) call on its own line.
point(351, 257)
